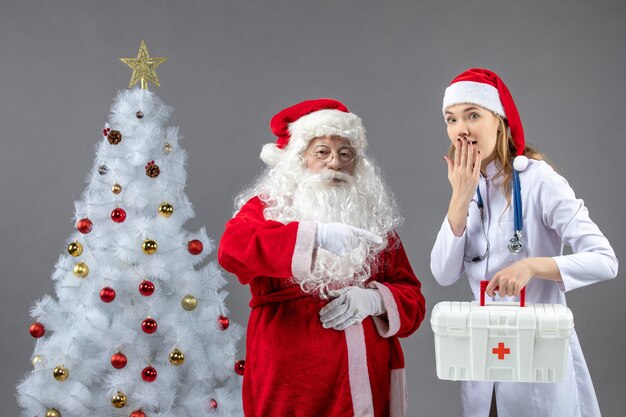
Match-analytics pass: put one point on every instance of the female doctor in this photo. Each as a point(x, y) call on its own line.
point(509, 216)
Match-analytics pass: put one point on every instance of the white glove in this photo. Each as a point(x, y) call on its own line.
point(340, 238)
point(352, 305)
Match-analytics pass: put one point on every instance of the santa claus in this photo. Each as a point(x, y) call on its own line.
point(332, 288)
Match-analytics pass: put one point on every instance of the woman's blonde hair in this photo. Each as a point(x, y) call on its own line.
point(504, 154)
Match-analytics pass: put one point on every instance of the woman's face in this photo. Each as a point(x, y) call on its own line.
point(475, 124)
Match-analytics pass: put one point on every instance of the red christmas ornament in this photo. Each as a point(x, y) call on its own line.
point(240, 365)
point(138, 413)
point(146, 288)
point(195, 247)
point(149, 325)
point(149, 374)
point(107, 294)
point(84, 225)
point(37, 330)
point(213, 403)
point(224, 322)
point(118, 215)
point(118, 360)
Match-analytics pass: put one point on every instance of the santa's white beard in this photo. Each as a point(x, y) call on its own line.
point(326, 197)
point(293, 193)
point(336, 197)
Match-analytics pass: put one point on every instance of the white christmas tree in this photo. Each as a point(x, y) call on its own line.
point(139, 327)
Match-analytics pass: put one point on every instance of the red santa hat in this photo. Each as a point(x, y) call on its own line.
point(486, 89)
point(310, 119)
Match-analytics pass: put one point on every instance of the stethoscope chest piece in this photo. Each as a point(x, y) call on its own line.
point(515, 243)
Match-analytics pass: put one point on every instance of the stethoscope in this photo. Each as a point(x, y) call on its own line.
point(515, 244)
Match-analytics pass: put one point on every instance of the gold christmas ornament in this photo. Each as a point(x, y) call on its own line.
point(61, 373)
point(149, 247)
point(144, 67)
point(167, 148)
point(189, 302)
point(119, 400)
point(75, 249)
point(37, 362)
point(177, 357)
point(166, 210)
point(53, 412)
point(81, 270)
point(116, 188)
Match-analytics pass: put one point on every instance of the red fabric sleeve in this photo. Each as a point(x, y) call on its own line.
point(252, 246)
point(401, 293)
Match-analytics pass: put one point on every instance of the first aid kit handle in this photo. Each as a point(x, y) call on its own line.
point(483, 288)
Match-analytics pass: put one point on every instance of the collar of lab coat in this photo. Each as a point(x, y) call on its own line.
point(491, 170)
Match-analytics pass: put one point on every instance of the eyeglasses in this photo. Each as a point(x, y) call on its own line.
point(325, 154)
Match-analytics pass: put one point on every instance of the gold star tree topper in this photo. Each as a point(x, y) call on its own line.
point(144, 67)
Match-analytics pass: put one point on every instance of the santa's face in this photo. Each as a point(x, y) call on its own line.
point(324, 183)
point(332, 154)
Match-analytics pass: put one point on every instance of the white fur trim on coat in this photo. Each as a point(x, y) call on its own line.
point(301, 263)
point(397, 393)
point(360, 386)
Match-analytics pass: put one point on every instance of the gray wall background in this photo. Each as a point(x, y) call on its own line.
point(233, 64)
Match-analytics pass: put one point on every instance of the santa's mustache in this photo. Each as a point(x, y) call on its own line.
point(328, 175)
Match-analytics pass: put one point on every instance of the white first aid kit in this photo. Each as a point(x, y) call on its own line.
point(501, 341)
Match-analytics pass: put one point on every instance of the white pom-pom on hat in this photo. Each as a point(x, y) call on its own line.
point(271, 154)
point(520, 163)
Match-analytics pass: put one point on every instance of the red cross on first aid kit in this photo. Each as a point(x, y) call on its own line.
point(501, 341)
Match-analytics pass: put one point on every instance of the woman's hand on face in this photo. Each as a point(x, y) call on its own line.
point(463, 174)
point(464, 171)
point(511, 279)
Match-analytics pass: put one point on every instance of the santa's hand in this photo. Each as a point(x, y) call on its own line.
point(340, 238)
point(352, 306)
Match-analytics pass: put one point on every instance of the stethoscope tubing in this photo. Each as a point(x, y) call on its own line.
point(517, 215)
point(517, 201)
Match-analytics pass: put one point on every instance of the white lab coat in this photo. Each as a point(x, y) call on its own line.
point(552, 217)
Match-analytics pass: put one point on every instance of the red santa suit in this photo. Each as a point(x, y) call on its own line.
point(294, 366)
